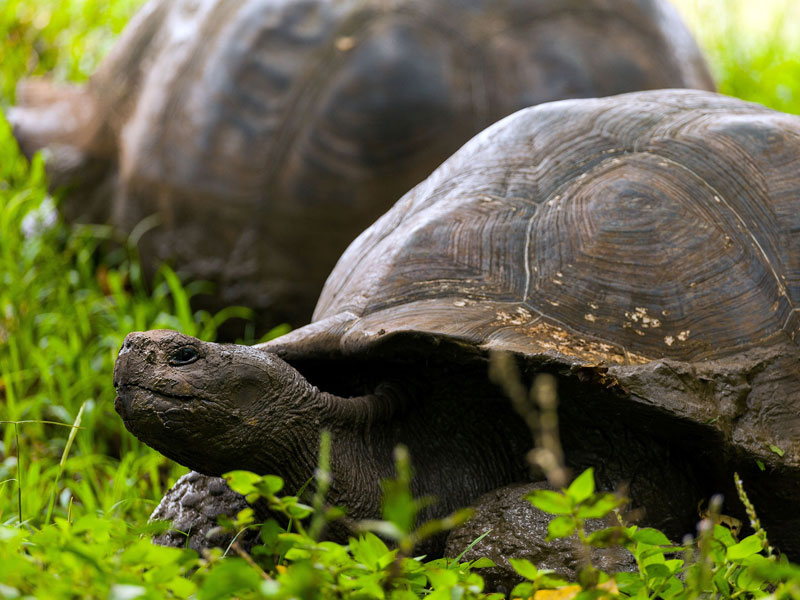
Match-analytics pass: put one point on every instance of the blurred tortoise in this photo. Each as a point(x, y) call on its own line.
point(266, 134)
point(644, 248)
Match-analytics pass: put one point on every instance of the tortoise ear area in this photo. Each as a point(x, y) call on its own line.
point(247, 394)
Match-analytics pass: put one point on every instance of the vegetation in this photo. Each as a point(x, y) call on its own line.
point(76, 489)
point(753, 47)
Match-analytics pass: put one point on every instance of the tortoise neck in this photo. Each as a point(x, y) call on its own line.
point(294, 420)
point(358, 413)
point(363, 436)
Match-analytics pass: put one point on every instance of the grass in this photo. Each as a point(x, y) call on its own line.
point(63, 313)
point(753, 47)
point(75, 488)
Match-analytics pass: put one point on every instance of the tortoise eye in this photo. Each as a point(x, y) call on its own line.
point(183, 356)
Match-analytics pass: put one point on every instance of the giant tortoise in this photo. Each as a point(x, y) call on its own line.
point(266, 134)
point(644, 248)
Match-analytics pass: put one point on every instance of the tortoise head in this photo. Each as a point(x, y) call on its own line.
point(211, 407)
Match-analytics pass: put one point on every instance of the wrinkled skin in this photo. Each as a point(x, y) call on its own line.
point(174, 395)
point(216, 408)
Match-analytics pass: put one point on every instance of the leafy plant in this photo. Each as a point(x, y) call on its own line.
point(716, 565)
point(296, 564)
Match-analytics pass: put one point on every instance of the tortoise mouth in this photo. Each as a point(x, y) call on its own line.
point(146, 410)
point(127, 389)
point(166, 422)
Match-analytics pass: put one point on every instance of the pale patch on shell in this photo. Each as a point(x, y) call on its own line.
point(345, 43)
point(684, 335)
point(519, 317)
point(547, 337)
point(640, 317)
point(590, 317)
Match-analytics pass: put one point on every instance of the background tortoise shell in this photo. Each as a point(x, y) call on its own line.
point(647, 246)
point(266, 134)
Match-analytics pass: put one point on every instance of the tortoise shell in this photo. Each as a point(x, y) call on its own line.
point(624, 230)
point(648, 243)
point(266, 134)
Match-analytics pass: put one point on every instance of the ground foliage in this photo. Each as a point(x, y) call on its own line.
point(76, 489)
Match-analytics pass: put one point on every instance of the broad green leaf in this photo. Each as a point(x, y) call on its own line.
point(674, 564)
point(749, 580)
point(629, 583)
point(583, 486)
point(610, 536)
point(228, 577)
point(246, 516)
point(522, 590)
point(524, 567)
point(560, 527)
point(723, 535)
point(776, 450)
point(269, 533)
point(269, 484)
point(434, 526)
point(295, 554)
point(653, 537)
point(181, 587)
point(370, 551)
point(673, 588)
point(398, 505)
point(483, 563)
point(649, 555)
point(599, 505)
point(658, 571)
point(773, 570)
point(747, 547)
point(442, 578)
point(721, 583)
point(242, 482)
point(299, 510)
point(551, 502)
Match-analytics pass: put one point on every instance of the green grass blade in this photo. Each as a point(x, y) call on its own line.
point(75, 426)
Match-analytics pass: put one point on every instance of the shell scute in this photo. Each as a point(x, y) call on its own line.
point(615, 244)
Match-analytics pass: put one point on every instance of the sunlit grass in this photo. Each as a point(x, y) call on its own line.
point(753, 47)
point(64, 310)
point(65, 40)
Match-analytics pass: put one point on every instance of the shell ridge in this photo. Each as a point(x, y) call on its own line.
point(527, 257)
point(717, 194)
